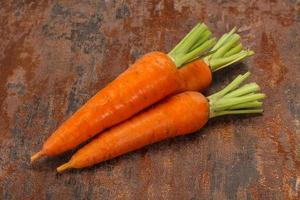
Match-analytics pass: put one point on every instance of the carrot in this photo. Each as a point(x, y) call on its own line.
point(195, 76)
point(178, 115)
point(148, 80)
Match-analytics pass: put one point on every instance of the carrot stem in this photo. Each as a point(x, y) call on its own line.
point(220, 63)
point(235, 100)
point(205, 36)
point(192, 39)
point(194, 53)
point(253, 104)
point(235, 112)
point(223, 104)
point(233, 40)
point(231, 86)
point(223, 39)
point(192, 46)
point(234, 50)
point(227, 50)
point(246, 89)
point(177, 47)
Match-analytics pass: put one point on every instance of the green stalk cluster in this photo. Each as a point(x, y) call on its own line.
point(234, 99)
point(224, 52)
point(193, 45)
point(227, 50)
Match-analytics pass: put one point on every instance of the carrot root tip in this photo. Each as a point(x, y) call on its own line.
point(64, 167)
point(36, 156)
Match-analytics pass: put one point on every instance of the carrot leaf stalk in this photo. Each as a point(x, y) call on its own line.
point(193, 45)
point(227, 50)
point(236, 100)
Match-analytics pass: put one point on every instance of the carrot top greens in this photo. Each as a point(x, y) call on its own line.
point(227, 50)
point(192, 46)
point(236, 100)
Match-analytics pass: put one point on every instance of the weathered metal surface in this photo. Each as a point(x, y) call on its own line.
point(55, 55)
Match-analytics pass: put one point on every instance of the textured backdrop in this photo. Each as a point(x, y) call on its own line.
point(55, 55)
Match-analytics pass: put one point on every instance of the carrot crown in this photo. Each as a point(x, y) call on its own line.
point(227, 50)
point(193, 45)
point(236, 100)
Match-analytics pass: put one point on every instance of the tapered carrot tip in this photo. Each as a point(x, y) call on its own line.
point(64, 167)
point(36, 156)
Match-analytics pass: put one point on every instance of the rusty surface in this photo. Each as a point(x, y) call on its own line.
point(55, 55)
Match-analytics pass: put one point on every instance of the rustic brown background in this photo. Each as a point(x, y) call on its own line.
point(55, 55)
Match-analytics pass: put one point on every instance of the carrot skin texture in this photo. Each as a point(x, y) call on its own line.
point(178, 115)
point(149, 79)
point(195, 76)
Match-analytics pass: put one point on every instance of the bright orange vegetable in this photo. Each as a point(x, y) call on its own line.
point(178, 115)
point(117, 101)
point(110, 105)
point(161, 122)
point(195, 76)
point(148, 80)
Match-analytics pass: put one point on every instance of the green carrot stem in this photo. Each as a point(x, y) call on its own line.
point(192, 39)
point(192, 45)
point(220, 63)
point(252, 104)
point(197, 27)
point(196, 52)
point(235, 100)
point(227, 51)
point(235, 112)
point(204, 37)
point(232, 42)
point(246, 89)
point(226, 103)
point(224, 38)
point(234, 50)
point(233, 85)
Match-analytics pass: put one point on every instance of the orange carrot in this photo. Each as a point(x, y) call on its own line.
point(121, 98)
point(148, 80)
point(161, 122)
point(178, 115)
point(195, 76)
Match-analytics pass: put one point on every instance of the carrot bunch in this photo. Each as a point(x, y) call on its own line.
point(150, 79)
point(166, 120)
point(155, 76)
